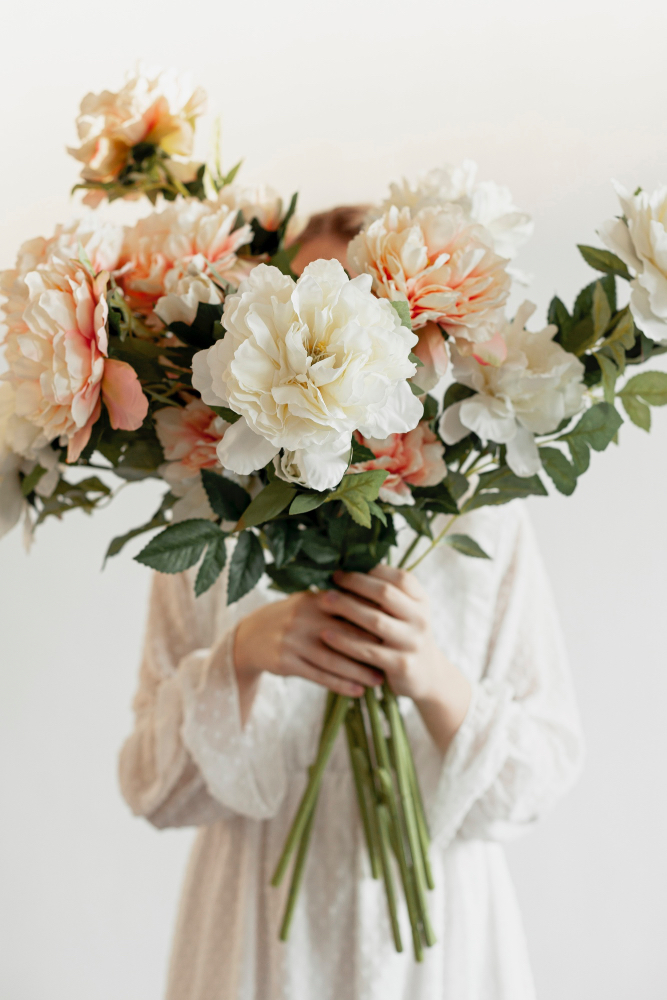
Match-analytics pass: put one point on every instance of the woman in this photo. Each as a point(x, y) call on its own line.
point(227, 718)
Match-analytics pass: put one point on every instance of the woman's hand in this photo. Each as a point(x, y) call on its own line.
point(386, 624)
point(284, 638)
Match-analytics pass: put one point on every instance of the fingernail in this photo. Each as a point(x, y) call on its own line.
point(330, 597)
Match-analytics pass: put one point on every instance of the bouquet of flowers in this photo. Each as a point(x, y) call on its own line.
point(300, 424)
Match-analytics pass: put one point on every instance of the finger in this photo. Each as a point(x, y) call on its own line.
point(356, 647)
point(372, 619)
point(400, 578)
point(339, 685)
point(392, 600)
point(333, 662)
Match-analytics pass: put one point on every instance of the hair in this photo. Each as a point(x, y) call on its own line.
point(345, 221)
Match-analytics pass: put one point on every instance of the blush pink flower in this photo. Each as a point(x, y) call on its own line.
point(432, 352)
point(57, 358)
point(438, 261)
point(412, 459)
point(189, 435)
point(155, 108)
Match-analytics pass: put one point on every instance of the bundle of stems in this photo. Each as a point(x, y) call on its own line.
point(390, 804)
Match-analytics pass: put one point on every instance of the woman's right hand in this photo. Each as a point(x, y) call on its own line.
point(284, 638)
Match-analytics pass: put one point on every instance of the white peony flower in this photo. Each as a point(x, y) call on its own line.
point(261, 202)
point(306, 363)
point(640, 240)
point(185, 287)
point(486, 203)
point(530, 393)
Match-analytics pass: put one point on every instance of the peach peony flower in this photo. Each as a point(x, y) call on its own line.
point(440, 263)
point(414, 458)
point(166, 249)
point(189, 435)
point(57, 358)
point(432, 352)
point(157, 108)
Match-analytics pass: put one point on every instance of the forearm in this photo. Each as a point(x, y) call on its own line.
point(446, 704)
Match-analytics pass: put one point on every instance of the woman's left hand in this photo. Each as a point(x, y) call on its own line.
point(386, 624)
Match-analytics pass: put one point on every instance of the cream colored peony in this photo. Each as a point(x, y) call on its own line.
point(440, 263)
point(530, 393)
point(640, 240)
point(486, 203)
point(412, 459)
point(171, 259)
point(261, 202)
point(159, 108)
point(57, 358)
point(306, 363)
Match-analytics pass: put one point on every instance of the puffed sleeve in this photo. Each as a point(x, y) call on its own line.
point(189, 760)
point(520, 746)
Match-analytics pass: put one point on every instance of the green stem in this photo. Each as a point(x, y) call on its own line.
point(405, 790)
point(312, 788)
point(389, 794)
point(384, 824)
point(297, 876)
point(408, 552)
point(436, 541)
point(424, 835)
point(357, 772)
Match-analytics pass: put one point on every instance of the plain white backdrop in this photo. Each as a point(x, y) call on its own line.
point(335, 99)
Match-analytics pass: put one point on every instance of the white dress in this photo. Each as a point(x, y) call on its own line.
point(189, 762)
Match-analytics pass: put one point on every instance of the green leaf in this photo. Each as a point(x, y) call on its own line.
point(284, 541)
point(307, 501)
point(246, 566)
point(456, 483)
point(609, 375)
point(355, 490)
point(179, 546)
point(435, 498)
point(416, 389)
point(415, 360)
point(229, 177)
point(418, 520)
point(360, 453)
point(455, 394)
point(227, 499)
point(430, 408)
point(581, 454)
point(467, 546)
point(93, 484)
point(199, 333)
point(605, 261)
point(229, 415)
point(579, 337)
point(500, 486)
point(558, 315)
point(376, 511)
point(31, 480)
point(212, 565)
point(296, 577)
point(560, 471)
point(624, 331)
point(317, 546)
point(402, 307)
point(597, 427)
point(638, 412)
point(157, 521)
point(601, 311)
point(650, 386)
point(269, 503)
point(283, 258)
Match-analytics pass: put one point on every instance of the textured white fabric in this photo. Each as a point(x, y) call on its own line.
point(190, 762)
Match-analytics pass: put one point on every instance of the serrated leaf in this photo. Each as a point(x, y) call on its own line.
point(597, 427)
point(226, 413)
point(560, 471)
point(227, 499)
point(609, 375)
point(376, 511)
point(417, 520)
point(284, 541)
point(362, 484)
point(295, 577)
point(579, 337)
point(639, 412)
point(650, 386)
point(623, 332)
point(246, 566)
point(500, 486)
point(456, 483)
point(318, 547)
point(435, 498)
point(358, 509)
point(601, 311)
point(402, 307)
point(212, 566)
point(605, 261)
point(307, 501)
point(467, 546)
point(269, 503)
point(179, 546)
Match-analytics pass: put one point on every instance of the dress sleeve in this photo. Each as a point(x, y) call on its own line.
point(189, 760)
point(520, 746)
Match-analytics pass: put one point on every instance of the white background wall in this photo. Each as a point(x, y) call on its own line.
point(336, 99)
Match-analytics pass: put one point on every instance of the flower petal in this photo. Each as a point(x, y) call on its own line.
point(243, 451)
point(123, 398)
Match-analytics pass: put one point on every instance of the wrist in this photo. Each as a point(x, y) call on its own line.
point(444, 704)
point(245, 660)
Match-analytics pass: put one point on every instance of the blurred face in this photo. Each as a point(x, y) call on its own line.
point(326, 246)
